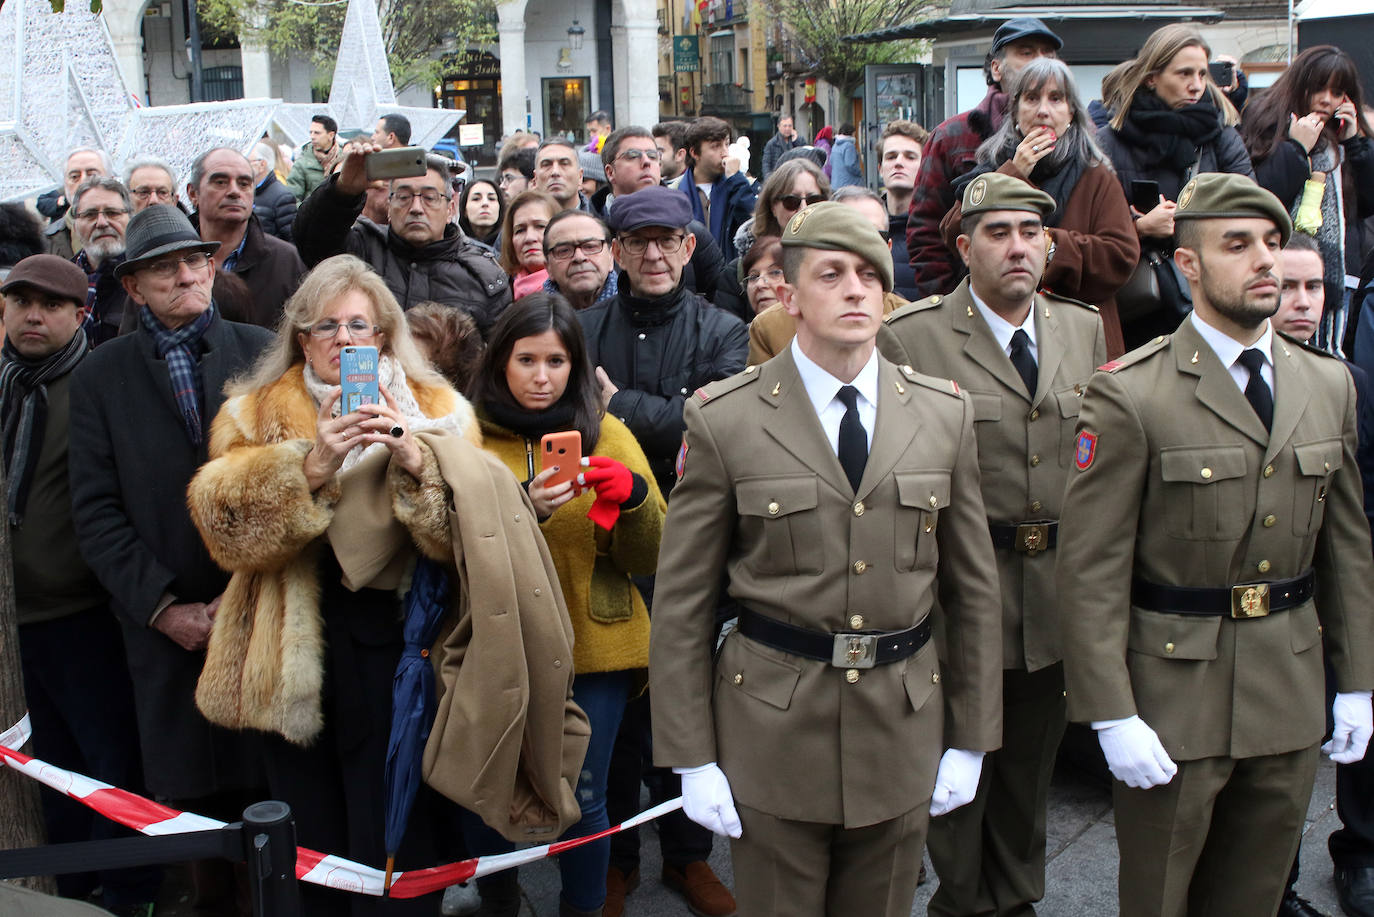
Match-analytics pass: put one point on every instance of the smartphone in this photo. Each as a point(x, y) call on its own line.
point(358, 378)
point(563, 453)
point(401, 162)
point(1223, 74)
point(1144, 194)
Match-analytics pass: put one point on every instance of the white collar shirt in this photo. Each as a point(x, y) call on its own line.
point(823, 388)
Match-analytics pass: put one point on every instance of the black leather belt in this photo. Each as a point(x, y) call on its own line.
point(1245, 600)
point(861, 649)
point(1027, 537)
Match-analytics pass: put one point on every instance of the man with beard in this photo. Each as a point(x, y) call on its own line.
point(1215, 492)
point(100, 212)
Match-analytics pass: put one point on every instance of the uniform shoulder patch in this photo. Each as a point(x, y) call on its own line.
point(713, 390)
point(1144, 351)
point(1306, 345)
point(1069, 301)
point(920, 305)
point(1085, 450)
point(946, 386)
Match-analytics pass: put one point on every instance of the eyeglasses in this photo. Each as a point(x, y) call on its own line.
point(794, 201)
point(109, 213)
point(564, 250)
point(773, 276)
point(510, 179)
point(169, 267)
point(144, 193)
point(638, 245)
point(635, 155)
point(431, 197)
point(358, 329)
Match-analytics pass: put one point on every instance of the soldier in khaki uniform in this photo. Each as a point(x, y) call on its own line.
point(1215, 490)
point(840, 495)
point(1024, 359)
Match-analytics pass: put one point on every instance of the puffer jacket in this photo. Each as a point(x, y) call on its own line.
point(275, 206)
point(658, 352)
point(454, 270)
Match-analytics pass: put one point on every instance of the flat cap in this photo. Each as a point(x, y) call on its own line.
point(999, 191)
point(1219, 195)
point(653, 206)
point(49, 274)
point(839, 227)
point(1023, 27)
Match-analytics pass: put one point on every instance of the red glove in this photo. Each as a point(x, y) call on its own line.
point(613, 484)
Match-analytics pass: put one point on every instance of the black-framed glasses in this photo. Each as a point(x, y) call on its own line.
point(636, 155)
point(794, 201)
point(109, 213)
point(773, 276)
point(430, 197)
point(168, 267)
point(564, 250)
point(638, 245)
point(358, 329)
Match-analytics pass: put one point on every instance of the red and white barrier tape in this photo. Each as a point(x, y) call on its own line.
point(152, 818)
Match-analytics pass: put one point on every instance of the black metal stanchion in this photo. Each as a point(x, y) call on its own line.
point(269, 848)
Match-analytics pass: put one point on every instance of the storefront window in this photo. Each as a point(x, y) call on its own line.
point(565, 107)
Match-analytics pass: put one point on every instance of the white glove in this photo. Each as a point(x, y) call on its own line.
point(956, 781)
point(1354, 721)
point(706, 799)
point(1134, 754)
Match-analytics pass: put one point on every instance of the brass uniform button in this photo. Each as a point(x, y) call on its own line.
point(1268, 471)
point(1035, 460)
point(749, 369)
point(1036, 506)
point(1168, 647)
point(739, 678)
point(1326, 466)
point(1319, 628)
point(1263, 566)
point(852, 676)
point(538, 591)
point(934, 503)
point(558, 663)
point(856, 622)
point(1269, 520)
point(860, 566)
point(935, 678)
point(773, 509)
point(1035, 414)
point(859, 508)
point(1206, 474)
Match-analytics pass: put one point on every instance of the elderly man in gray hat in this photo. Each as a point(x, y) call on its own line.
point(141, 411)
point(838, 495)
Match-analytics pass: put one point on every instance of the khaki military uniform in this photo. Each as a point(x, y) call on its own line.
point(773, 329)
point(990, 854)
point(832, 770)
point(1182, 486)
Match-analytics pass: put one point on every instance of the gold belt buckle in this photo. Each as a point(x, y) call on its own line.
point(1032, 537)
point(1250, 601)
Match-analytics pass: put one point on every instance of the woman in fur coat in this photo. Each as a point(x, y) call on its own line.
point(297, 501)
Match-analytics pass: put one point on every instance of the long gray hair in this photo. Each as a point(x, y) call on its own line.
point(1080, 139)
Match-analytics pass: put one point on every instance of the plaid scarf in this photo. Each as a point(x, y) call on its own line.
point(180, 348)
point(24, 409)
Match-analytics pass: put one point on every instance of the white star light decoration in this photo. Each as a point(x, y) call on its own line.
point(63, 89)
point(361, 91)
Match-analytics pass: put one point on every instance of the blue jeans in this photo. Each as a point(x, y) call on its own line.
point(602, 696)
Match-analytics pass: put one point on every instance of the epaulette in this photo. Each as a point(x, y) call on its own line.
point(1306, 345)
point(1135, 356)
point(713, 390)
point(1069, 301)
point(948, 386)
point(920, 305)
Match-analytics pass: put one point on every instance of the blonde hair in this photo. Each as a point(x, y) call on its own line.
point(331, 279)
point(1159, 49)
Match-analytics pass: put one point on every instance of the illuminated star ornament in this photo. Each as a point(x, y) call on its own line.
point(61, 87)
point(361, 91)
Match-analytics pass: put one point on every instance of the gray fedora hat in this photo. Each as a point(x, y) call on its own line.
point(156, 231)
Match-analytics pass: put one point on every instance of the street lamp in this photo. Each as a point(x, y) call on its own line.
point(575, 35)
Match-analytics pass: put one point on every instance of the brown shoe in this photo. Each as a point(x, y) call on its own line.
point(618, 887)
point(706, 895)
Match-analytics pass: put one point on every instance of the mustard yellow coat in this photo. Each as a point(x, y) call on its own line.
point(609, 618)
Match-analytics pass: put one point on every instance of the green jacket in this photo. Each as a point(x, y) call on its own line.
point(307, 172)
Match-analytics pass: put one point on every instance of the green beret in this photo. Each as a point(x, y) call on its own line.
point(1214, 195)
point(840, 228)
point(999, 191)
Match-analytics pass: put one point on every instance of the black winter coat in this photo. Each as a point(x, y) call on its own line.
point(1224, 154)
point(275, 206)
point(269, 267)
point(658, 352)
point(454, 270)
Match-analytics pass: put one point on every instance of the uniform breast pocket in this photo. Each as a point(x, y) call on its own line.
point(920, 497)
point(1204, 491)
point(1317, 461)
point(987, 408)
point(778, 516)
point(1070, 402)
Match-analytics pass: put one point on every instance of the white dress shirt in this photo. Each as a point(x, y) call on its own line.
point(1003, 330)
point(822, 388)
point(1228, 351)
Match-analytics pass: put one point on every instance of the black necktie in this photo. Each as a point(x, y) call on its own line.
point(853, 439)
point(1023, 361)
point(1257, 390)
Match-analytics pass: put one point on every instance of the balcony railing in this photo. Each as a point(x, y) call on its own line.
point(726, 98)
